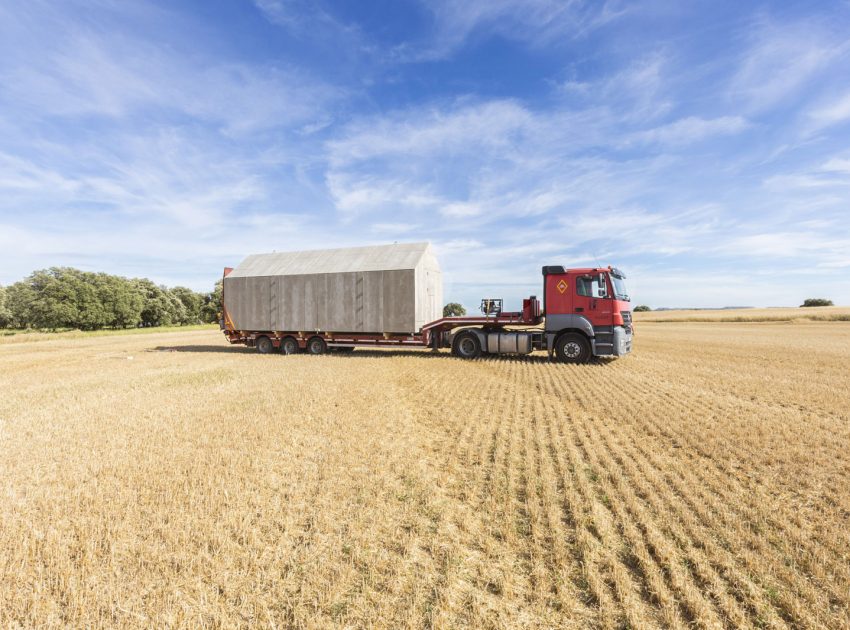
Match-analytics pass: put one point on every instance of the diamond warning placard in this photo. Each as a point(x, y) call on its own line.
point(562, 286)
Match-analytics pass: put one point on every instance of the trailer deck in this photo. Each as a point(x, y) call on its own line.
point(431, 332)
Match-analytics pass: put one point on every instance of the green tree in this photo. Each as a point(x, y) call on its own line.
point(176, 310)
point(5, 314)
point(157, 308)
point(453, 309)
point(122, 303)
point(54, 304)
point(641, 308)
point(817, 302)
point(191, 302)
point(91, 313)
point(63, 297)
point(212, 304)
point(19, 300)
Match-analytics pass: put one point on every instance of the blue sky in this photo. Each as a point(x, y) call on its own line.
point(702, 147)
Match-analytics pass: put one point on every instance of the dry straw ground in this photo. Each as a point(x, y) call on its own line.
point(782, 314)
point(702, 482)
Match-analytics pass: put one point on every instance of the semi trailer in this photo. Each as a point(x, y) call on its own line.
point(391, 296)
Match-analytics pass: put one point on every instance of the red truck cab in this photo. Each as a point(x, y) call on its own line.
point(587, 312)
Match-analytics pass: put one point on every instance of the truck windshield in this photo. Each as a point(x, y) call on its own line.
point(620, 291)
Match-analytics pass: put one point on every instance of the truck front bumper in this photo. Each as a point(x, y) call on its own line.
point(622, 341)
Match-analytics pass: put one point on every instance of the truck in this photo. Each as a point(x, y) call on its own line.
point(321, 301)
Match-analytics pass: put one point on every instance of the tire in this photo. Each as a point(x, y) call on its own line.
point(289, 345)
point(572, 348)
point(317, 345)
point(466, 346)
point(264, 345)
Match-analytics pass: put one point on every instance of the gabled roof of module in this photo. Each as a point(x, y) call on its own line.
point(374, 258)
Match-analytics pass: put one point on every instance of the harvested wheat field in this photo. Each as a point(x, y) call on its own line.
point(780, 314)
point(171, 480)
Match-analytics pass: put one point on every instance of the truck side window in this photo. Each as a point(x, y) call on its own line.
point(588, 287)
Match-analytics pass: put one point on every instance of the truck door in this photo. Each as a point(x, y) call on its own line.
point(592, 299)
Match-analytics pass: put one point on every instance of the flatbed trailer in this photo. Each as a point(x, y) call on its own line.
point(587, 315)
point(434, 335)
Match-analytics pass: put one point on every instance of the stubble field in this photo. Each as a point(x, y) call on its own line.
point(171, 480)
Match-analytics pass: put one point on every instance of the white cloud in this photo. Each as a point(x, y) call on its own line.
point(839, 165)
point(314, 26)
point(691, 129)
point(802, 182)
point(168, 177)
point(819, 249)
point(395, 228)
point(77, 71)
point(534, 22)
point(782, 59)
point(638, 92)
point(356, 195)
point(461, 209)
point(833, 113)
point(278, 11)
point(830, 175)
point(428, 131)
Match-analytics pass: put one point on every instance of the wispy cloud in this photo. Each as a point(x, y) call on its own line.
point(837, 164)
point(429, 130)
point(691, 129)
point(836, 111)
point(534, 22)
point(783, 59)
point(101, 75)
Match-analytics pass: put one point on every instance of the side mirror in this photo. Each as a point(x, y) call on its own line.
point(603, 288)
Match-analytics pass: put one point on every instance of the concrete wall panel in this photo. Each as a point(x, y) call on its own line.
point(429, 290)
point(248, 303)
point(370, 304)
point(399, 303)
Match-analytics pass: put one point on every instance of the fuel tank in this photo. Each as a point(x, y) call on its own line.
point(509, 343)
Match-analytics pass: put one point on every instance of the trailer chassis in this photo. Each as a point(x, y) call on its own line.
point(437, 334)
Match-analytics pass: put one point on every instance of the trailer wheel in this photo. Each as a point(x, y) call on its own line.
point(264, 345)
point(289, 345)
point(317, 345)
point(572, 348)
point(466, 346)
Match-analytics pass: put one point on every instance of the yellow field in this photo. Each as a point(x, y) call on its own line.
point(170, 480)
point(817, 313)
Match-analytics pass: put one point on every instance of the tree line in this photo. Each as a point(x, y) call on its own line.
point(63, 297)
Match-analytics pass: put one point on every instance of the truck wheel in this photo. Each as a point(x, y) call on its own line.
point(289, 345)
point(466, 346)
point(264, 345)
point(317, 345)
point(573, 348)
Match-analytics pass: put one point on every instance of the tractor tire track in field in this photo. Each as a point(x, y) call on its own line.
point(718, 486)
point(683, 491)
point(649, 553)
